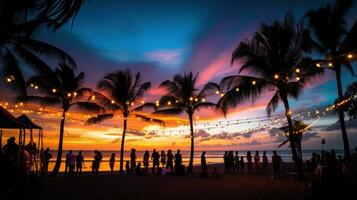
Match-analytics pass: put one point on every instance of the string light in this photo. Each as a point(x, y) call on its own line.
point(276, 76)
point(203, 100)
point(132, 104)
point(69, 94)
point(330, 64)
point(54, 90)
point(297, 70)
point(254, 82)
point(142, 101)
point(112, 102)
point(36, 87)
point(169, 103)
point(318, 65)
point(93, 97)
point(298, 78)
point(191, 98)
point(217, 92)
point(237, 89)
point(349, 56)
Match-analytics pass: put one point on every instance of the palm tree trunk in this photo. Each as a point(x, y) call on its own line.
point(121, 171)
point(190, 165)
point(341, 115)
point(60, 146)
point(293, 146)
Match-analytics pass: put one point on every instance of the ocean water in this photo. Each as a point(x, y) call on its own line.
point(212, 157)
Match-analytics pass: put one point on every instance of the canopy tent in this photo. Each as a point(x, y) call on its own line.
point(8, 121)
point(31, 147)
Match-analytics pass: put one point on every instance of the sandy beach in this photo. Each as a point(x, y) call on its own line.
point(104, 186)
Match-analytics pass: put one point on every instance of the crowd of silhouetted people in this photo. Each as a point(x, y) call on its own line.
point(233, 163)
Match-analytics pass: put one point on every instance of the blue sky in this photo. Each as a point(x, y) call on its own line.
point(162, 38)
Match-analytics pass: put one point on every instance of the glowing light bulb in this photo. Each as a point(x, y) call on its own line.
point(93, 97)
point(203, 100)
point(112, 102)
point(54, 90)
point(276, 76)
point(36, 87)
point(69, 94)
point(318, 65)
point(237, 89)
point(142, 101)
point(217, 92)
point(298, 78)
point(254, 82)
point(297, 70)
point(169, 103)
point(330, 64)
point(191, 98)
point(349, 56)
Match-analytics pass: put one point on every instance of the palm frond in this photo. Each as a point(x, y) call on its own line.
point(89, 106)
point(11, 68)
point(99, 118)
point(273, 103)
point(149, 119)
point(169, 111)
point(47, 50)
point(145, 105)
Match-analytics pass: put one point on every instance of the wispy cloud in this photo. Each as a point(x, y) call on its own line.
point(165, 57)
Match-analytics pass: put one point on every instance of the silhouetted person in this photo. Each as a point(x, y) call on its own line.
point(155, 156)
point(71, 163)
point(79, 163)
point(249, 163)
point(132, 160)
point(10, 157)
point(66, 163)
point(203, 161)
point(46, 160)
point(276, 159)
point(163, 158)
point(112, 163)
point(96, 162)
point(226, 162)
point(146, 161)
point(257, 162)
point(170, 158)
point(241, 164)
point(265, 161)
point(230, 161)
point(236, 162)
point(138, 171)
point(178, 162)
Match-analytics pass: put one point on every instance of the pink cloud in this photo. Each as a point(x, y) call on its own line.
point(170, 57)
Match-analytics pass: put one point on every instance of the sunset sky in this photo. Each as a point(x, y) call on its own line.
point(160, 39)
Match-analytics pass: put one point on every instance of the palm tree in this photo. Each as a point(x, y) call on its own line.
point(122, 92)
point(61, 88)
point(19, 49)
point(272, 61)
point(333, 39)
point(183, 96)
